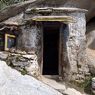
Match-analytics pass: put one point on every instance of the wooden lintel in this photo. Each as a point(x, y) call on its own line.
point(59, 9)
point(53, 18)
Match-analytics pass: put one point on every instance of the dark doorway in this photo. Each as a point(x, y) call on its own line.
point(51, 48)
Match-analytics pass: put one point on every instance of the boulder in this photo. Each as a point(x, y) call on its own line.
point(3, 56)
point(13, 83)
point(72, 91)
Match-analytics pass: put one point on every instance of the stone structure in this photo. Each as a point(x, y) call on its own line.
point(72, 53)
point(24, 62)
point(71, 22)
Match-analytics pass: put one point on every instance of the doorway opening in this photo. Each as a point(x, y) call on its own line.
point(51, 33)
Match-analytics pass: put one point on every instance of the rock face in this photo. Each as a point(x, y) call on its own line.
point(13, 83)
point(3, 56)
point(76, 67)
point(13, 10)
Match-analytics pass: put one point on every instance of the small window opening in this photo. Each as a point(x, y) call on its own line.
point(10, 41)
point(8, 37)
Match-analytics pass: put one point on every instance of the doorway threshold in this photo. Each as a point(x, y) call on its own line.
point(58, 85)
point(55, 77)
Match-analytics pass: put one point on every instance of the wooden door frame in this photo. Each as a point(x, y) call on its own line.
point(60, 48)
point(59, 52)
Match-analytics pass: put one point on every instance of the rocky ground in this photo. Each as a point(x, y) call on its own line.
point(13, 83)
point(61, 87)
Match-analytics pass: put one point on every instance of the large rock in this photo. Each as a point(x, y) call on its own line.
point(13, 83)
point(93, 85)
point(71, 91)
point(3, 55)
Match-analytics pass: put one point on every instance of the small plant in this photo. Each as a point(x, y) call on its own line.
point(23, 71)
point(85, 85)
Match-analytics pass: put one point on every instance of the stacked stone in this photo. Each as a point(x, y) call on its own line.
point(26, 63)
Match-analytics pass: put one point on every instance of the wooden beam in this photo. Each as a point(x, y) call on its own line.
point(69, 9)
point(53, 18)
point(38, 10)
point(51, 9)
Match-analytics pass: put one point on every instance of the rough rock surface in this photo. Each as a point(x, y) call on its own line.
point(60, 86)
point(75, 65)
point(13, 83)
point(90, 35)
point(13, 10)
point(23, 62)
point(3, 55)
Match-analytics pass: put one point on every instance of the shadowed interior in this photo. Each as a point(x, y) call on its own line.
point(51, 48)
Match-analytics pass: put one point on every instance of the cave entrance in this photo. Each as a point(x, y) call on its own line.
point(51, 33)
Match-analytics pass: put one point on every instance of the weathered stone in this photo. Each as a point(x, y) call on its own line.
point(14, 54)
point(28, 39)
point(80, 77)
point(78, 31)
point(61, 87)
point(13, 83)
point(33, 68)
point(29, 56)
point(12, 50)
point(20, 52)
point(24, 63)
point(71, 91)
point(20, 64)
point(72, 40)
point(87, 74)
point(74, 46)
point(79, 81)
point(31, 52)
point(3, 55)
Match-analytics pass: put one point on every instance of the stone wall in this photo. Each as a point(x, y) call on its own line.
point(76, 48)
point(65, 61)
point(73, 43)
point(29, 38)
point(22, 61)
